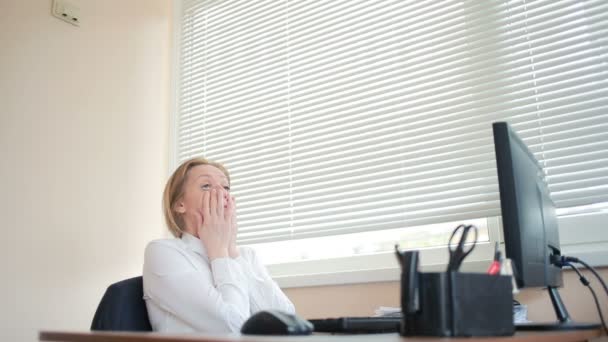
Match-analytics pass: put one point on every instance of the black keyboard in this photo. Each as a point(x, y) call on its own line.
point(357, 325)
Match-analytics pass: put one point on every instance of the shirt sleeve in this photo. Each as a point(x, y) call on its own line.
point(264, 293)
point(213, 299)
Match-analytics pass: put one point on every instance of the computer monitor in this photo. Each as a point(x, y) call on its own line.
point(529, 222)
point(528, 214)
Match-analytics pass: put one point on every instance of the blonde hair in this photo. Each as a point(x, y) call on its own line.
point(174, 190)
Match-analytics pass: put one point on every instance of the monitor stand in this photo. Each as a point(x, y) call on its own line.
point(564, 320)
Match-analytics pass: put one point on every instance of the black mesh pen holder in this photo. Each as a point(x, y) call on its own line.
point(454, 303)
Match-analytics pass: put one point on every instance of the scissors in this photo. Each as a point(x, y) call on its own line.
point(458, 253)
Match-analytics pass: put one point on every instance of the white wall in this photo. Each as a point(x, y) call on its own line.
point(83, 155)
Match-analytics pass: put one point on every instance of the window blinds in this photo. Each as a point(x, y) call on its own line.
point(346, 116)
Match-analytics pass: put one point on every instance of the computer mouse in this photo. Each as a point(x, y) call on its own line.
point(276, 322)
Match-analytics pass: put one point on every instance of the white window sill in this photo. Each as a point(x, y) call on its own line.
point(371, 268)
point(583, 236)
point(596, 258)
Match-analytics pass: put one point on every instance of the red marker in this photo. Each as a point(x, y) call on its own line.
point(494, 268)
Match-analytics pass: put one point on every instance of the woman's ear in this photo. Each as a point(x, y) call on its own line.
point(179, 207)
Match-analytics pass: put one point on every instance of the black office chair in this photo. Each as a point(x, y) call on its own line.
point(123, 308)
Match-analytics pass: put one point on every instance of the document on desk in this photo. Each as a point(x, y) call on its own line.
point(388, 311)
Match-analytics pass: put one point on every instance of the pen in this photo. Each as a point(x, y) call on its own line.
point(494, 268)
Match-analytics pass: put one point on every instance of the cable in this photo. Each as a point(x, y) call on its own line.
point(585, 282)
point(592, 270)
point(563, 260)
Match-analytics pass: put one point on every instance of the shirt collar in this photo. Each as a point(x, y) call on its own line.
point(194, 244)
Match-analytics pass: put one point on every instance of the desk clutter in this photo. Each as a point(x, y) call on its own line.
point(454, 303)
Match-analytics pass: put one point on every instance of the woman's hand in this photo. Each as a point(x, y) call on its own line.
point(216, 230)
point(233, 250)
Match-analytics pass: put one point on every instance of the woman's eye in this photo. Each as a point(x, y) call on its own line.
point(206, 187)
point(227, 188)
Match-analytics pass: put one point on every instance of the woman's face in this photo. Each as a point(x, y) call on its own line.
point(200, 179)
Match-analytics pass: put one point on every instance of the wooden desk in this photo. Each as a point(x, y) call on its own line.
point(570, 336)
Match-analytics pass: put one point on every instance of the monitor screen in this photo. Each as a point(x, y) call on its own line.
point(528, 213)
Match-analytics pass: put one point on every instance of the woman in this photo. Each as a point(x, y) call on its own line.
point(201, 281)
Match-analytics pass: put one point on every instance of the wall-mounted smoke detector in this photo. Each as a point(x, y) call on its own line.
point(66, 11)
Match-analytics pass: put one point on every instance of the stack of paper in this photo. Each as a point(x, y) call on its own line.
point(387, 311)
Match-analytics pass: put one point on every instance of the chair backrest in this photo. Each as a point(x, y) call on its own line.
point(123, 308)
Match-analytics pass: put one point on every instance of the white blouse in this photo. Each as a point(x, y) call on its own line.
point(184, 292)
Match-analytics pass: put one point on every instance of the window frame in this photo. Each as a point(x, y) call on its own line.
point(584, 236)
